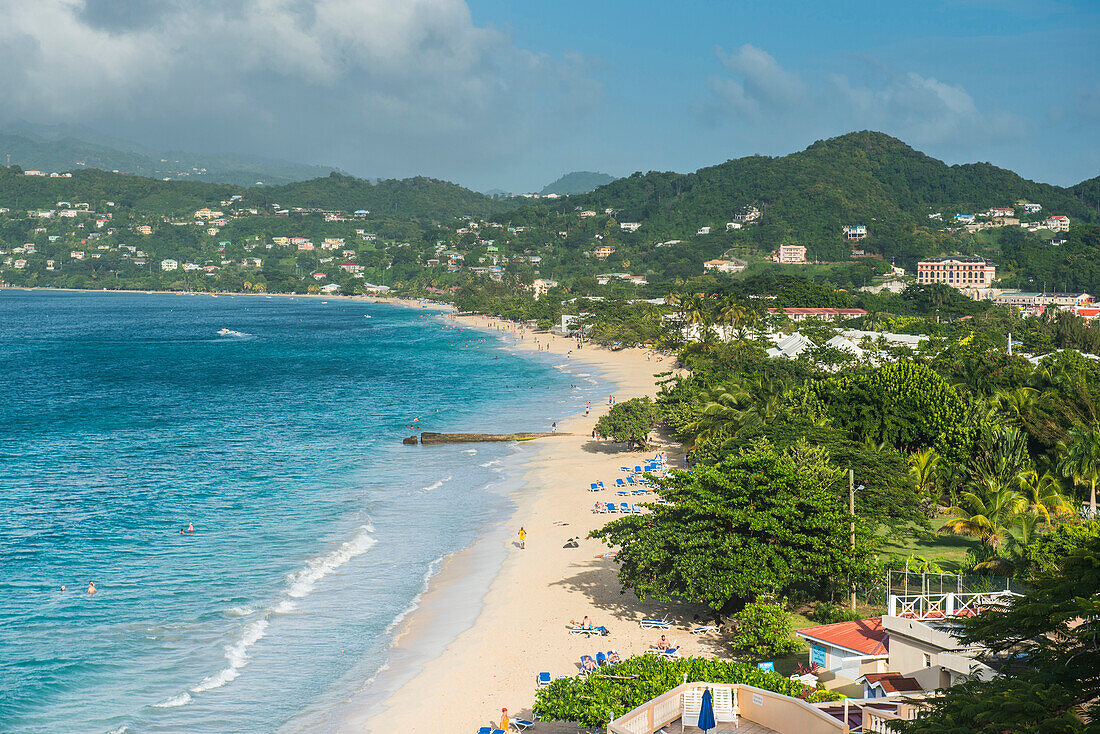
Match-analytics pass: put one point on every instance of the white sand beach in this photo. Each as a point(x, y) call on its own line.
point(522, 628)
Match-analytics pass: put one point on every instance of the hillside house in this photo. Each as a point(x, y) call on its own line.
point(1032, 208)
point(724, 266)
point(790, 255)
point(169, 265)
point(629, 226)
point(855, 232)
point(703, 230)
point(603, 252)
point(1058, 223)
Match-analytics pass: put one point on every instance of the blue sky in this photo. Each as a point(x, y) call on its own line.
point(496, 94)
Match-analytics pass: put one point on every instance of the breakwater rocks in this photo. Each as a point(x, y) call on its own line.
point(428, 438)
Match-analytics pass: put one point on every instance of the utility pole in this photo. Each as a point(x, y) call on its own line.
point(852, 510)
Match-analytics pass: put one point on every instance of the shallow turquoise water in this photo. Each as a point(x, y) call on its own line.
point(125, 416)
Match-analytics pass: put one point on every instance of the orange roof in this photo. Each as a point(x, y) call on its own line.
point(863, 636)
point(893, 682)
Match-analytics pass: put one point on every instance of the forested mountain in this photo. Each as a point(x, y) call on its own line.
point(1088, 192)
point(419, 197)
point(807, 197)
point(577, 182)
point(64, 149)
point(415, 198)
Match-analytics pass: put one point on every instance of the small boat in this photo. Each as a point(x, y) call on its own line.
point(230, 332)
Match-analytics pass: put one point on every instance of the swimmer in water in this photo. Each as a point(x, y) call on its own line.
point(190, 527)
point(91, 587)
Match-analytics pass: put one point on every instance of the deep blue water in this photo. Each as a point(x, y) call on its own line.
point(123, 417)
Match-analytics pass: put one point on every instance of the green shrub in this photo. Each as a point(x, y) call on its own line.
point(596, 699)
point(764, 631)
point(827, 613)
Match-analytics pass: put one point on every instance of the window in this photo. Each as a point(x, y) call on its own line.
point(927, 660)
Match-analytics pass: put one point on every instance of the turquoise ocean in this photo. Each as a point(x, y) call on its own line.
point(124, 417)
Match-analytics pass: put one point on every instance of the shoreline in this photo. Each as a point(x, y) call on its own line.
point(520, 628)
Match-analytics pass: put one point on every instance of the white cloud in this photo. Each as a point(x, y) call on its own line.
point(923, 110)
point(764, 86)
point(920, 110)
point(284, 71)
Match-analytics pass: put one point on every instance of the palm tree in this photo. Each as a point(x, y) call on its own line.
point(1081, 460)
point(925, 468)
point(1044, 495)
point(731, 312)
point(1016, 405)
point(986, 515)
point(722, 408)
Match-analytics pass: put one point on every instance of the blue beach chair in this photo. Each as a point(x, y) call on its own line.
point(544, 679)
point(601, 659)
point(655, 624)
point(624, 507)
point(611, 507)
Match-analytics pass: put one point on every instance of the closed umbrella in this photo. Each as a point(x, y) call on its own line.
point(706, 712)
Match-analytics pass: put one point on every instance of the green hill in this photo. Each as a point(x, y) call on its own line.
point(418, 197)
point(65, 148)
point(1088, 192)
point(808, 197)
point(577, 182)
point(413, 198)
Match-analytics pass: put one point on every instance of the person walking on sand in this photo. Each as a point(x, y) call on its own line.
point(505, 722)
point(522, 538)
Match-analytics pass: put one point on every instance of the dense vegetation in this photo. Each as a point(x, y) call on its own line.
point(808, 197)
point(1052, 630)
point(594, 700)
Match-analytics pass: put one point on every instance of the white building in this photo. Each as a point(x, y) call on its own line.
point(1058, 223)
point(855, 232)
point(630, 226)
point(724, 266)
point(703, 230)
point(168, 265)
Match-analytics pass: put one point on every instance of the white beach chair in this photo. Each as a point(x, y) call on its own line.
point(724, 708)
point(690, 704)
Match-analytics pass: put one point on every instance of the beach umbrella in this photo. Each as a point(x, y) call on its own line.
point(706, 712)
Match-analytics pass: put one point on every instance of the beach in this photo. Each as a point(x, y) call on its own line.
point(522, 626)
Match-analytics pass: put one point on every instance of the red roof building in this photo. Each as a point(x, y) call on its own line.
point(801, 314)
point(863, 636)
point(881, 685)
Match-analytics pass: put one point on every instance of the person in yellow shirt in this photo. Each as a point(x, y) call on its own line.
point(505, 722)
point(522, 545)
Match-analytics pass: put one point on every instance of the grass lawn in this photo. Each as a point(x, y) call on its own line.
point(948, 551)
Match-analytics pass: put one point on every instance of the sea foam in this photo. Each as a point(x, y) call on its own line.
point(181, 700)
point(436, 485)
point(301, 581)
point(237, 655)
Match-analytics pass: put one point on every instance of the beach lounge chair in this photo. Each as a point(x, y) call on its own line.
point(704, 630)
point(587, 664)
point(724, 710)
point(623, 493)
point(655, 624)
point(619, 482)
point(522, 724)
point(624, 507)
point(690, 704)
point(611, 507)
point(624, 468)
point(544, 679)
point(601, 659)
point(490, 730)
point(638, 469)
point(594, 487)
point(671, 652)
point(613, 657)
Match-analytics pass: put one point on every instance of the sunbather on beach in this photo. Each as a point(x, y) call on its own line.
point(662, 643)
point(587, 663)
point(613, 657)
